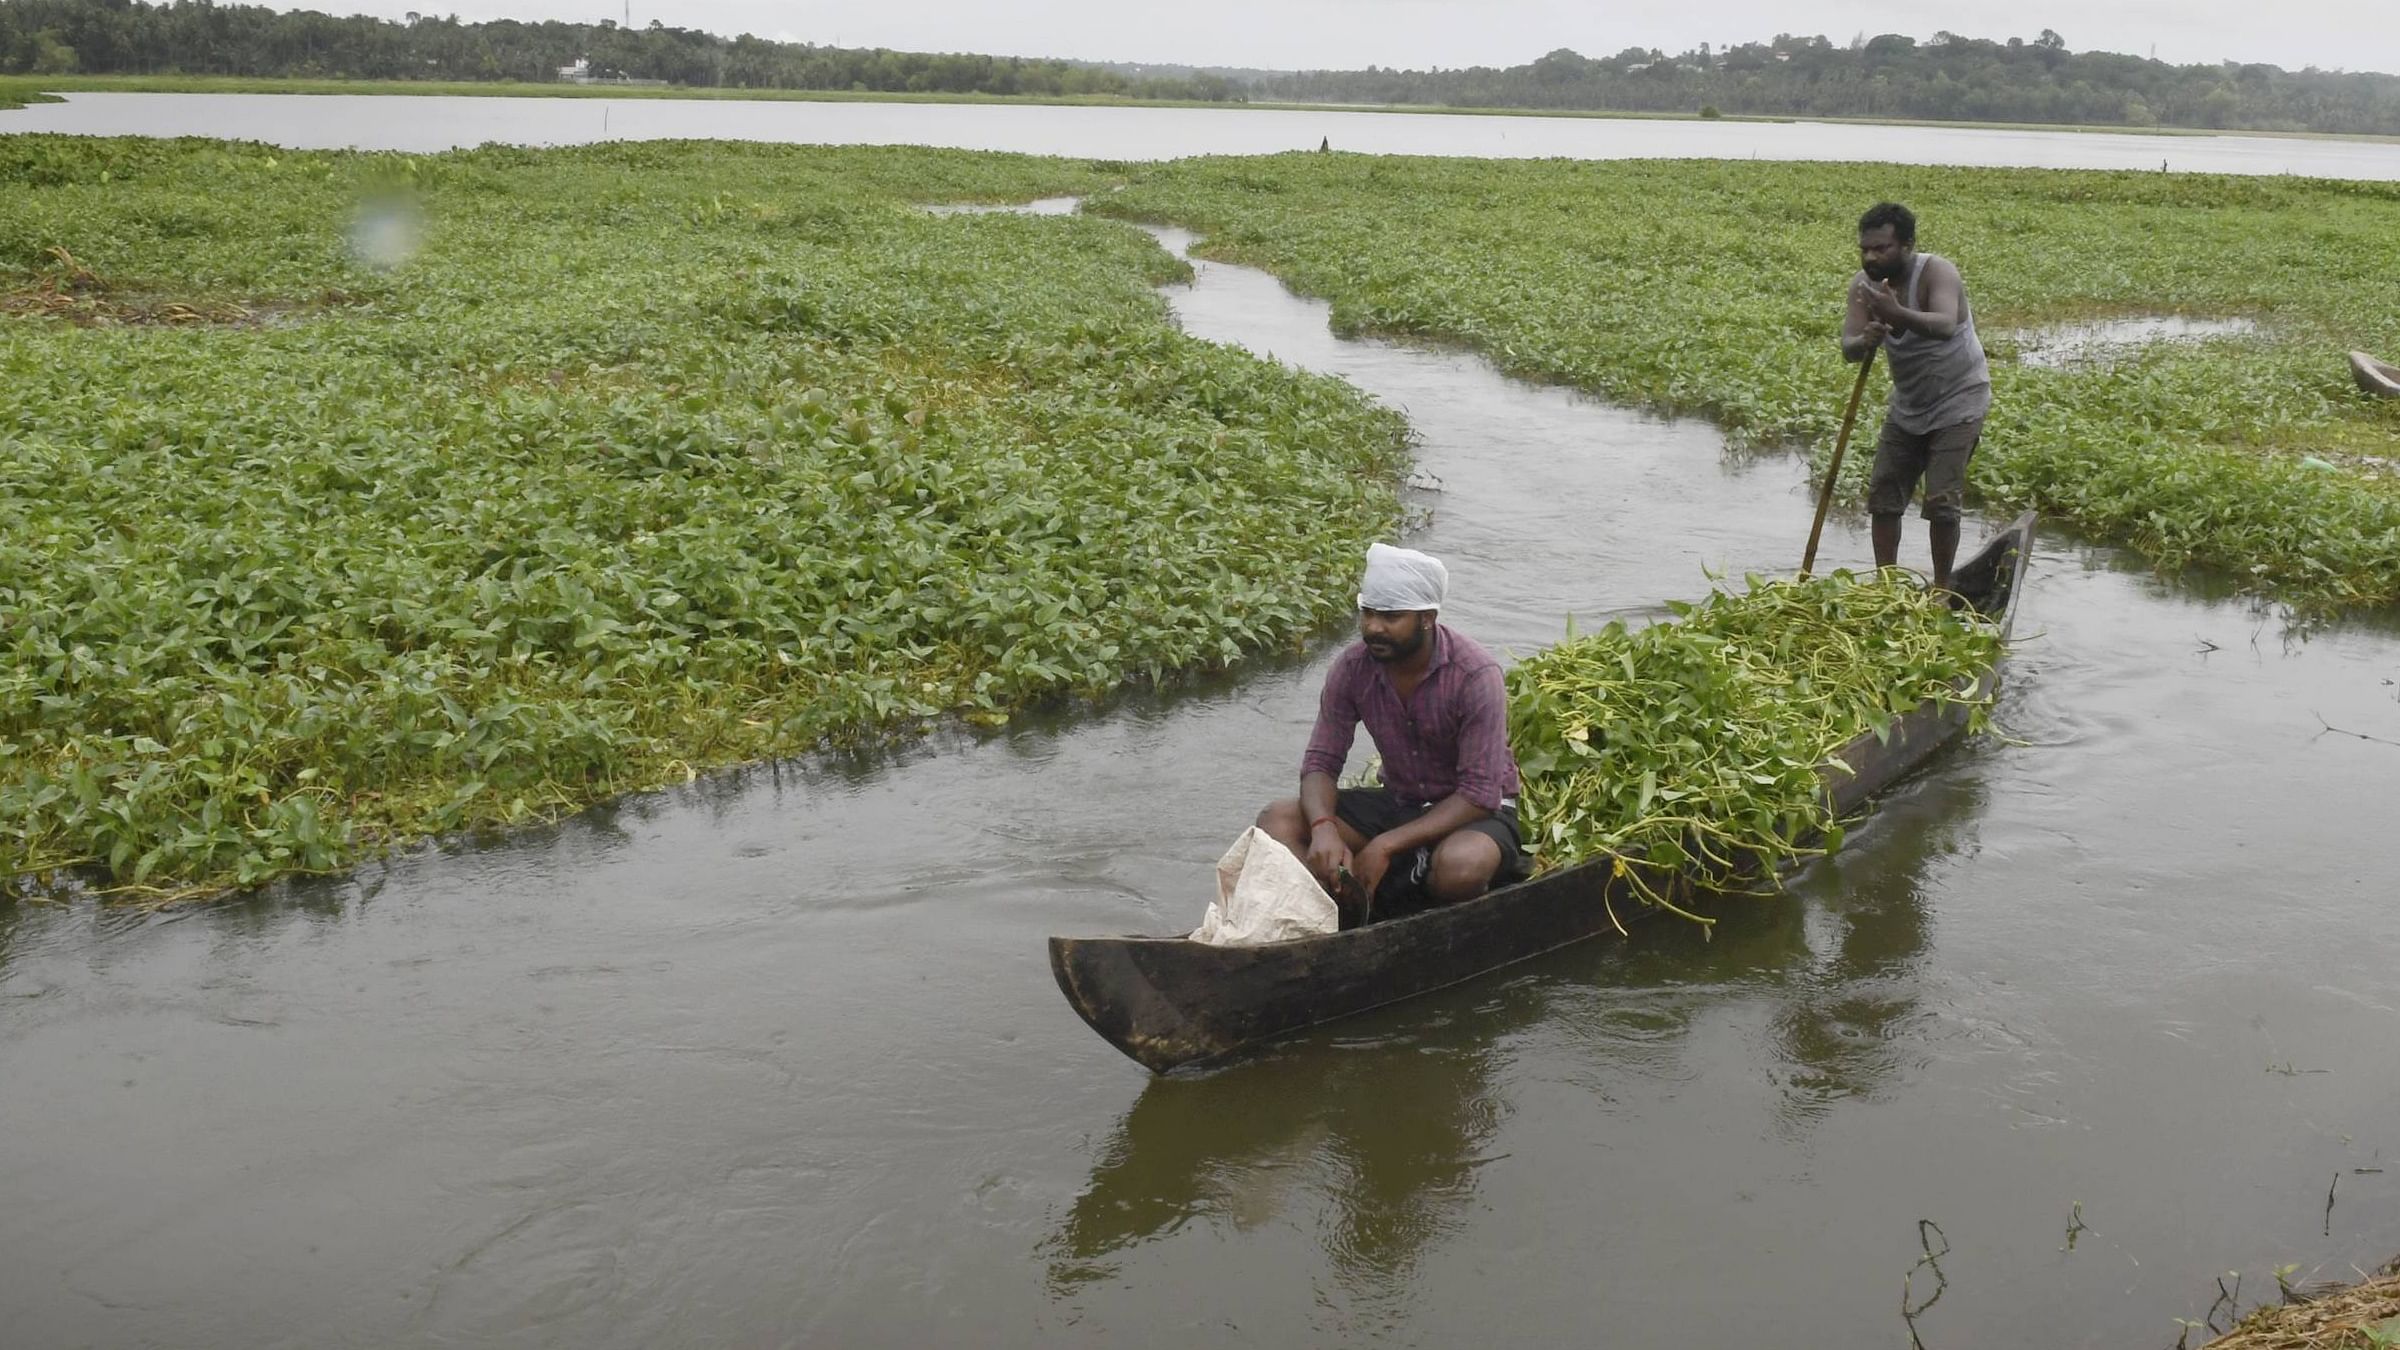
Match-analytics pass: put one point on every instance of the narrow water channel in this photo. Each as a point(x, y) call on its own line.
point(776, 1059)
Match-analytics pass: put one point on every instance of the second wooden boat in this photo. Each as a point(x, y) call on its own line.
point(2375, 377)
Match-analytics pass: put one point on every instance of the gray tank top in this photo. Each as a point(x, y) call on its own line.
point(1937, 382)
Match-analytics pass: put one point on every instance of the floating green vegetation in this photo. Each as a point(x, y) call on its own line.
point(1695, 751)
point(1715, 288)
point(346, 499)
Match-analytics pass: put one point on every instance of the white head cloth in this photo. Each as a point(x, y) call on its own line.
point(1402, 578)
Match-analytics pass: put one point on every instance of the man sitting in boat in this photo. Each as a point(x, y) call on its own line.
point(1443, 827)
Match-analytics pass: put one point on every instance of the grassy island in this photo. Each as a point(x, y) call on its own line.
point(346, 499)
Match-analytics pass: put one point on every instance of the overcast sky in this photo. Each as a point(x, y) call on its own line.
point(1296, 34)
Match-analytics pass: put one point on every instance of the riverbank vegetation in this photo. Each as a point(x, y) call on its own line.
point(2361, 1316)
point(346, 499)
point(1697, 749)
point(1715, 288)
point(45, 89)
point(133, 37)
point(18, 93)
point(1946, 77)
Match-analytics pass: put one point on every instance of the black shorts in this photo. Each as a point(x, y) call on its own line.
point(1372, 811)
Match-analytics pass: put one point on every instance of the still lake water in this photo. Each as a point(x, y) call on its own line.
point(421, 124)
point(776, 1059)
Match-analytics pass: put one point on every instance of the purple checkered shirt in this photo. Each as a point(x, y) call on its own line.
point(1450, 737)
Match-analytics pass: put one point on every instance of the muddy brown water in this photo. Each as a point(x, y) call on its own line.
point(775, 1059)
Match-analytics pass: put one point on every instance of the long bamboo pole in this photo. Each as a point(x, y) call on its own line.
point(1833, 471)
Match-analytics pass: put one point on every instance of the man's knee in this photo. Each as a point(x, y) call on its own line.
point(1281, 819)
point(1464, 865)
point(1891, 483)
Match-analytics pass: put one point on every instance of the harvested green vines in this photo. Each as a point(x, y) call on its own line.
point(1698, 746)
point(650, 458)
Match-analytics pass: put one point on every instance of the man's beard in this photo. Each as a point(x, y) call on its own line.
point(1396, 651)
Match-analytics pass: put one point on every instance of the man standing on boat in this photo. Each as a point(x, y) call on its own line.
point(1914, 306)
point(1443, 827)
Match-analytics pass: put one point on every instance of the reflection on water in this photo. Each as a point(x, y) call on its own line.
point(1378, 1126)
point(1843, 1023)
point(1386, 1161)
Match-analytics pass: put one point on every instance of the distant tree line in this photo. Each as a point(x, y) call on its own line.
point(197, 37)
point(1947, 78)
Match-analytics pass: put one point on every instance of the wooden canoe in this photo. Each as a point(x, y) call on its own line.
point(1169, 1002)
point(2374, 376)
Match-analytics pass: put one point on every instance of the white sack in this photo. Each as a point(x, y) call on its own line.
point(1264, 894)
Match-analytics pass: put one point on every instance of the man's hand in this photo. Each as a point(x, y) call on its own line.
point(1327, 856)
point(1883, 306)
point(1371, 863)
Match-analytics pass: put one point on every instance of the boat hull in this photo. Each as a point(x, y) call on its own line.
point(2375, 377)
point(1169, 1002)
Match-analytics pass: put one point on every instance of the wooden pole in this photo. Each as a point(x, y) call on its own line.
point(1833, 471)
